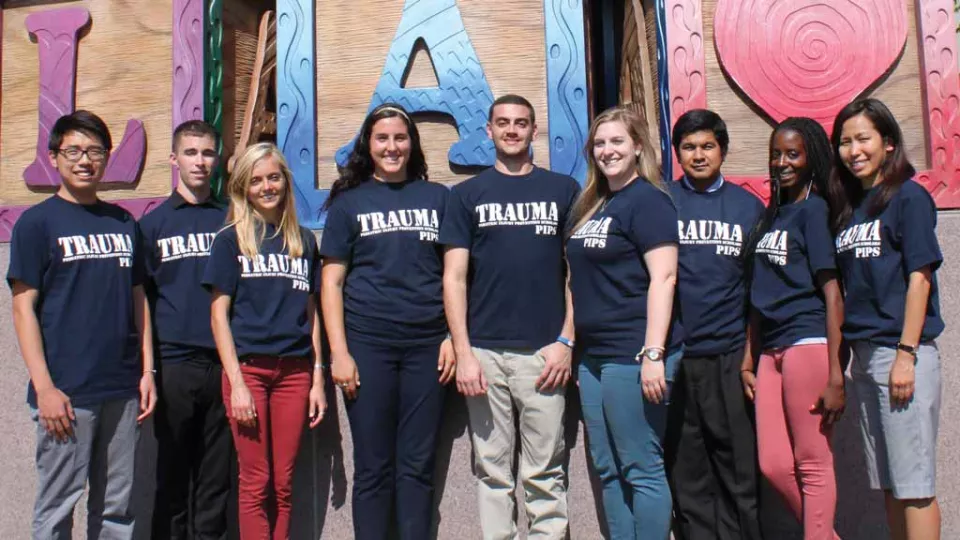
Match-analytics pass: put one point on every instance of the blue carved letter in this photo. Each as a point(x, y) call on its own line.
point(462, 93)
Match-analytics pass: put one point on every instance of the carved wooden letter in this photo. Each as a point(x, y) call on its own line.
point(57, 33)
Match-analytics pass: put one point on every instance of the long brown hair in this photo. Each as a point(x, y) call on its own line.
point(844, 189)
point(250, 225)
point(597, 187)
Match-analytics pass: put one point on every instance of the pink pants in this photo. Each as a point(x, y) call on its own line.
point(267, 452)
point(795, 454)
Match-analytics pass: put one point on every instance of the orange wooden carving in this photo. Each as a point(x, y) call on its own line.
point(257, 120)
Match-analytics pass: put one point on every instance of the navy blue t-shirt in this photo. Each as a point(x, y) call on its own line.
point(608, 276)
point(386, 233)
point(177, 238)
point(513, 227)
point(787, 259)
point(84, 260)
point(269, 293)
point(876, 256)
point(713, 227)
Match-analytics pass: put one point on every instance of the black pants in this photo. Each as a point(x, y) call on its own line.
point(194, 451)
point(712, 462)
point(394, 423)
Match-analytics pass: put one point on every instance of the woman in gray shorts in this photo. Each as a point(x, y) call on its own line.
point(888, 254)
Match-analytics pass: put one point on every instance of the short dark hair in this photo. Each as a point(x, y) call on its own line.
point(513, 99)
point(83, 121)
point(696, 120)
point(197, 128)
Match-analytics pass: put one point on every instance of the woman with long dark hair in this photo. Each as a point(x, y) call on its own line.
point(623, 270)
point(797, 311)
point(262, 273)
point(382, 304)
point(888, 255)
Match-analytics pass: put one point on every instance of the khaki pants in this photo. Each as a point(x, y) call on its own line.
point(511, 376)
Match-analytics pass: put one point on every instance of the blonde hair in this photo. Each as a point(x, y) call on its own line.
point(597, 187)
point(250, 225)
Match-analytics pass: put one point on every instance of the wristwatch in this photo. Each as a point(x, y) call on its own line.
point(912, 351)
point(654, 354)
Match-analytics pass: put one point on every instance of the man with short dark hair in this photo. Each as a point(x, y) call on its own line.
point(194, 442)
point(713, 469)
point(83, 325)
point(512, 324)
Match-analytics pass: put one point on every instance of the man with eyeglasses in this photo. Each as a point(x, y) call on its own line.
point(84, 331)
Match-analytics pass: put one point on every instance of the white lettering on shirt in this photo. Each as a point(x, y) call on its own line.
point(297, 270)
point(422, 220)
point(594, 233)
point(542, 215)
point(179, 247)
point(775, 245)
point(727, 238)
point(97, 246)
point(864, 239)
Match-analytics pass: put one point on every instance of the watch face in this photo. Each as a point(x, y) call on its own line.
point(654, 354)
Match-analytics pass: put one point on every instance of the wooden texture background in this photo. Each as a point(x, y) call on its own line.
point(750, 129)
point(353, 39)
point(123, 72)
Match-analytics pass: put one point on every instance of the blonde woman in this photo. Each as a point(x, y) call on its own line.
point(623, 267)
point(263, 274)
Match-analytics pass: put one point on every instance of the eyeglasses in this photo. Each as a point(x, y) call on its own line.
point(72, 153)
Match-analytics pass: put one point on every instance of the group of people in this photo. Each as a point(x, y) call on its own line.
point(678, 307)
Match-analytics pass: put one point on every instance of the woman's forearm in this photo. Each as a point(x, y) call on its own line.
point(915, 310)
point(223, 337)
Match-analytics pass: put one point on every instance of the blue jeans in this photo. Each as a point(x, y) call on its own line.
point(625, 437)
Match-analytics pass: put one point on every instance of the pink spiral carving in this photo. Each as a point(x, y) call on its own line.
point(808, 57)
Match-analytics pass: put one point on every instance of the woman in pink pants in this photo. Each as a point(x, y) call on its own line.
point(797, 311)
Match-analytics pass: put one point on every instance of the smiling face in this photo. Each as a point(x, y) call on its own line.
point(788, 159)
point(195, 157)
point(863, 150)
point(700, 156)
point(81, 161)
point(511, 128)
point(615, 151)
point(390, 148)
point(267, 189)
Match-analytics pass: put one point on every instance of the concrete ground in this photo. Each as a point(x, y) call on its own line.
point(322, 482)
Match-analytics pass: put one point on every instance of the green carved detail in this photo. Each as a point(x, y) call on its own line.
point(213, 78)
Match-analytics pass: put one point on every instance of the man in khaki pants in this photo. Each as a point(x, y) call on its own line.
point(511, 321)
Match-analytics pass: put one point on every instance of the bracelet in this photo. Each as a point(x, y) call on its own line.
point(565, 341)
point(150, 371)
point(746, 371)
point(318, 366)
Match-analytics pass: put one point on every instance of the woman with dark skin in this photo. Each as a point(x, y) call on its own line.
point(797, 312)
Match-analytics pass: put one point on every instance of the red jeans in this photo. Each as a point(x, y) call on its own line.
point(280, 389)
point(794, 451)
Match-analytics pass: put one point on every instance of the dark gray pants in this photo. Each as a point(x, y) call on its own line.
point(101, 452)
point(712, 451)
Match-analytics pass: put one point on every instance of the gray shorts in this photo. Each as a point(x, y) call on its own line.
point(900, 444)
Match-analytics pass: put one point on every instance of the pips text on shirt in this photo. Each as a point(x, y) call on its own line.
point(726, 237)
point(863, 238)
point(542, 215)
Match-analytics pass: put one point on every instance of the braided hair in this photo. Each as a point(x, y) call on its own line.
point(816, 174)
